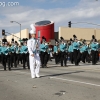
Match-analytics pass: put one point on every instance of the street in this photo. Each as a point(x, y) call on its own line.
point(56, 83)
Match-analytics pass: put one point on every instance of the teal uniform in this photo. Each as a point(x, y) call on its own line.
point(5, 57)
point(84, 48)
point(94, 52)
point(76, 48)
point(84, 51)
point(43, 47)
point(55, 49)
point(44, 54)
point(70, 49)
point(12, 48)
point(56, 53)
point(13, 56)
point(24, 55)
point(63, 49)
point(71, 54)
point(6, 50)
point(21, 50)
point(76, 45)
point(94, 46)
point(24, 49)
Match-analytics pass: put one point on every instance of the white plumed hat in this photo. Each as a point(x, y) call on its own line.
point(33, 29)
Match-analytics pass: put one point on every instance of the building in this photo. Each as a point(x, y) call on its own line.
point(46, 29)
point(16, 37)
point(81, 33)
point(43, 28)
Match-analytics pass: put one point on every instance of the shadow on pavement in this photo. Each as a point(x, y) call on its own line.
point(63, 73)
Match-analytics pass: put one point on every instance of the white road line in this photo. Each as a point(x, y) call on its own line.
point(75, 81)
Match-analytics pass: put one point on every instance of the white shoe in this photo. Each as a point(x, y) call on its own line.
point(33, 77)
point(37, 75)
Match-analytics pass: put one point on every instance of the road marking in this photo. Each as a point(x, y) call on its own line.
point(75, 81)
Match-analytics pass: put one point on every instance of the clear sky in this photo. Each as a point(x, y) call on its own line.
point(61, 12)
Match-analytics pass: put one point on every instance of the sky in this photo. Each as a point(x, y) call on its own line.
point(59, 11)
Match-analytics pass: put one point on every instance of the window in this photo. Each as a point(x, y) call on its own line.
point(38, 34)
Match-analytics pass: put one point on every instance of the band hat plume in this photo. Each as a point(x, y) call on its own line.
point(33, 29)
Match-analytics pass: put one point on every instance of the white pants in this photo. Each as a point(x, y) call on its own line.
point(34, 65)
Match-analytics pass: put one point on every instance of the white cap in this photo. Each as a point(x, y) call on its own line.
point(33, 29)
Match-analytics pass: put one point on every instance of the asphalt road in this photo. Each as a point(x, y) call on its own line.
point(56, 83)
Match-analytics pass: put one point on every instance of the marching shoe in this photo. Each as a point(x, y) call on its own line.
point(37, 75)
point(33, 77)
point(66, 65)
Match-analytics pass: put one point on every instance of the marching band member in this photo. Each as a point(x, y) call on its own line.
point(2, 54)
point(25, 55)
point(84, 51)
point(22, 58)
point(49, 51)
point(13, 54)
point(43, 52)
point(16, 53)
point(34, 58)
point(21, 52)
point(89, 54)
point(63, 49)
point(94, 48)
point(76, 48)
point(70, 50)
point(56, 51)
point(97, 51)
point(5, 55)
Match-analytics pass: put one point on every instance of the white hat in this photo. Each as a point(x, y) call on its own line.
point(33, 29)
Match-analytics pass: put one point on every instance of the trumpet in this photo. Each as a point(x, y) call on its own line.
point(96, 42)
point(64, 43)
point(79, 41)
point(46, 44)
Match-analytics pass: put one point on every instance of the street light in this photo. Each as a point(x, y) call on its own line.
point(20, 28)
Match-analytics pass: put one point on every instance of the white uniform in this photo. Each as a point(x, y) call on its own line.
point(33, 60)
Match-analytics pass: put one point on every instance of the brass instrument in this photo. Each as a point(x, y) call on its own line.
point(64, 43)
point(58, 49)
point(96, 42)
point(99, 41)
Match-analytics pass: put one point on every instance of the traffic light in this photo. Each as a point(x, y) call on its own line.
point(3, 32)
point(69, 24)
